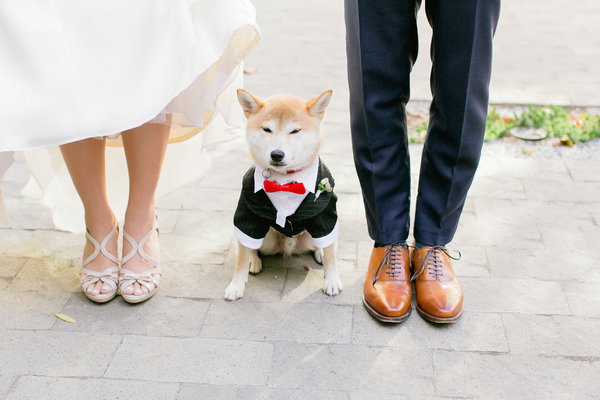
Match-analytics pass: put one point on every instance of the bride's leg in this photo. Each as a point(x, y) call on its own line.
point(145, 148)
point(85, 161)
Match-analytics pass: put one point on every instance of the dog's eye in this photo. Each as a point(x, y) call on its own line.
point(268, 130)
point(295, 131)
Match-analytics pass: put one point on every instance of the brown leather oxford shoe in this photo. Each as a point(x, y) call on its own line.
point(387, 292)
point(438, 292)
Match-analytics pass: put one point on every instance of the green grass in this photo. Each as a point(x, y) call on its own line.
point(558, 122)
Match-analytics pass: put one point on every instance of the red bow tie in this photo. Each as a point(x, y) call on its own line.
point(294, 187)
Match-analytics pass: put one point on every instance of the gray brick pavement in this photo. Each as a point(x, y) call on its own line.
point(528, 236)
point(175, 359)
point(46, 388)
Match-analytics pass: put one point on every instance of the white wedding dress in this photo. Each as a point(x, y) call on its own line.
point(73, 69)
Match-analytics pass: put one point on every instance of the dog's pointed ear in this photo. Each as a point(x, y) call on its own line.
point(249, 103)
point(317, 105)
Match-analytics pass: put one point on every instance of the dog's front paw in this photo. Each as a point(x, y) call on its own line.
point(332, 285)
point(255, 264)
point(234, 291)
point(318, 255)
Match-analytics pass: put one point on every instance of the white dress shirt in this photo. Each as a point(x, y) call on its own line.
point(286, 203)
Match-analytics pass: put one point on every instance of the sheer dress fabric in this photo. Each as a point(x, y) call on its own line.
point(72, 70)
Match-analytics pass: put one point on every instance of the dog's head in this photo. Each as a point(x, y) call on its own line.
point(283, 131)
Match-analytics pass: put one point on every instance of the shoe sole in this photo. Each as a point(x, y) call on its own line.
point(386, 318)
point(439, 320)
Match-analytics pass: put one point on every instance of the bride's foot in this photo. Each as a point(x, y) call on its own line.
point(100, 267)
point(140, 270)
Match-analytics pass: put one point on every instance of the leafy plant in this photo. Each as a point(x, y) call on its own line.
point(496, 126)
point(418, 136)
point(590, 127)
point(535, 117)
point(415, 139)
point(422, 127)
point(557, 121)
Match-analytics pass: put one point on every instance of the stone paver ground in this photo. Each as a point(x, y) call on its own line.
point(529, 237)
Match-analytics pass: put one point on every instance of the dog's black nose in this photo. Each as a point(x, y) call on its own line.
point(277, 155)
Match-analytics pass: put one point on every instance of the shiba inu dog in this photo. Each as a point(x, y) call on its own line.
point(287, 205)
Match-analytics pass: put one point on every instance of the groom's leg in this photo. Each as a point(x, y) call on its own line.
point(382, 47)
point(381, 40)
point(461, 51)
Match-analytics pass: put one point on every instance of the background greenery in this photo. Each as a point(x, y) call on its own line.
point(558, 122)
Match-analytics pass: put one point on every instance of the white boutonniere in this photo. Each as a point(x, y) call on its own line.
point(323, 186)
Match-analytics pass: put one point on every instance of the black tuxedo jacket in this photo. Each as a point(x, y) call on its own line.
point(255, 213)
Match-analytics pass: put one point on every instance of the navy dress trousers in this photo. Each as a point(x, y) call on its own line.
point(381, 40)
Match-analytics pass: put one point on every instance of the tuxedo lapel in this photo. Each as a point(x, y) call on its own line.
point(258, 202)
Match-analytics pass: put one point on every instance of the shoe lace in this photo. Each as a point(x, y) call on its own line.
point(391, 261)
point(433, 262)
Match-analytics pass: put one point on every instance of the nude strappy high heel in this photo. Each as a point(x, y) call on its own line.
point(148, 279)
point(108, 276)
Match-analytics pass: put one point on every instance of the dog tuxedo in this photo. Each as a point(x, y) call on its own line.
point(290, 208)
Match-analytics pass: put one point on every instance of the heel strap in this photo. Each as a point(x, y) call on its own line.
point(138, 247)
point(101, 247)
